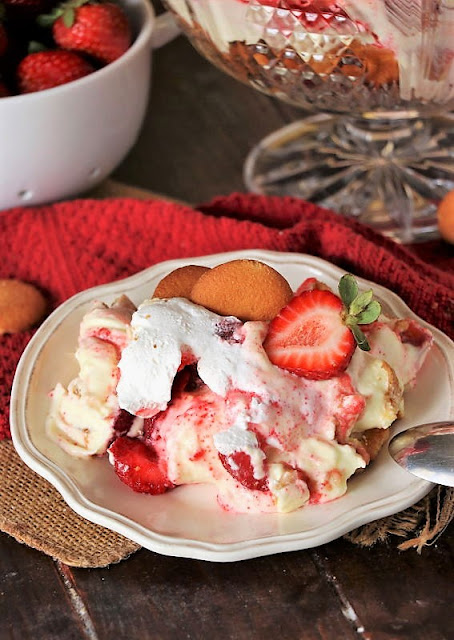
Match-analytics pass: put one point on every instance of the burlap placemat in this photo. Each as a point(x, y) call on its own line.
point(34, 513)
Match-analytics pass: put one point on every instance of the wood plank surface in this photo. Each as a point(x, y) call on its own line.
point(35, 601)
point(199, 127)
point(394, 594)
point(177, 598)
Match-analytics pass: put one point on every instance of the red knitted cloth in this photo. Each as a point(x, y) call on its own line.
point(67, 247)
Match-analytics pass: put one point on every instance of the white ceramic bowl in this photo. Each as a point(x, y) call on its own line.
point(63, 141)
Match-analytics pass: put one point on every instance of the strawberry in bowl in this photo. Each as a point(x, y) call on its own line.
point(97, 29)
point(95, 34)
point(87, 35)
point(71, 102)
point(47, 69)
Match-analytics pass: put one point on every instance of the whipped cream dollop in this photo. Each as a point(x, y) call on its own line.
point(163, 330)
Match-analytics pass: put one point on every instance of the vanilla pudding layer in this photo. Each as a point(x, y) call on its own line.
point(284, 52)
point(82, 416)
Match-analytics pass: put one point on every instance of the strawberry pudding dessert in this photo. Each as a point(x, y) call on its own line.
point(277, 403)
point(346, 55)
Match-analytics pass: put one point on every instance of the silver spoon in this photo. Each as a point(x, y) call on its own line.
point(426, 451)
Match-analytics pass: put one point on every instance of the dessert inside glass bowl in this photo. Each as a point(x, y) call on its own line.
point(380, 77)
point(276, 397)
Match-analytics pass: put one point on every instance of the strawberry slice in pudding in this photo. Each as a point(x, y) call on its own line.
point(240, 467)
point(138, 466)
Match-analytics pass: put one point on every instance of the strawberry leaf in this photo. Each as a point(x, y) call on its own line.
point(48, 19)
point(360, 338)
point(360, 302)
point(65, 10)
point(69, 17)
point(360, 308)
point(348, 289)
point(370, 313)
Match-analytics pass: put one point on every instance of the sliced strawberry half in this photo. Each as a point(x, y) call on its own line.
point(309, 338)
point(240, 467)
point(315, 335)
point(137, 466)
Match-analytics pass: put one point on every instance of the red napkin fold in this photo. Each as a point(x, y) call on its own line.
point(67, 247)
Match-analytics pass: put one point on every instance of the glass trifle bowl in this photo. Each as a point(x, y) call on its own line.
point(378, 76)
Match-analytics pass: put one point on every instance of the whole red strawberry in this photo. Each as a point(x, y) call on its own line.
point(100, 30)
point(47, 69)
point(315, 335)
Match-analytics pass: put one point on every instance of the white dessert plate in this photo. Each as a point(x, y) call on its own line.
point(187, 521)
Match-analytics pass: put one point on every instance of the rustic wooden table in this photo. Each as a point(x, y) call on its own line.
point(199, 127)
